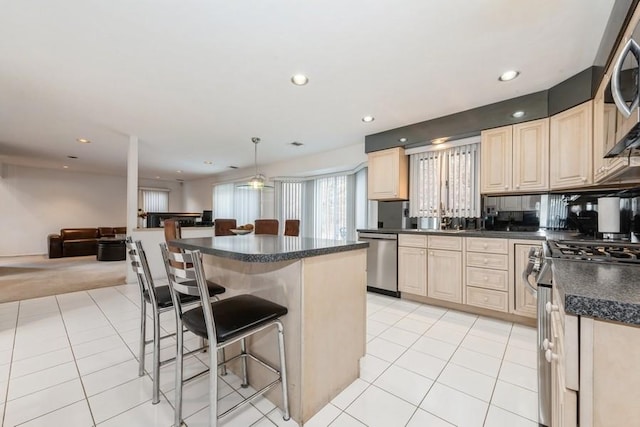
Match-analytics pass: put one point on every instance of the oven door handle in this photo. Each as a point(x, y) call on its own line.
point(525, 278)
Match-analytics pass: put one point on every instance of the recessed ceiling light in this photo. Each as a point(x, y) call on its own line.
point(233, 167)
point(72, 157)
point(83, 140)
point(208, 162)
point(157, 177)
point(439, 140)
point(403, 139)
point(65, 167)
point(517, 114)
point(299, 79)
point(368, 119)
point(179, 171)
point(297, 144)
point(509, 75)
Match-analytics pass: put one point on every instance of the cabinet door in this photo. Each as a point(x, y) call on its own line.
point(496, 158)
point(525, 303)
point(571, 147)
point(412, 270)
point(599, 134)
point(388, 175)
point(444, 279)
point(531, 156)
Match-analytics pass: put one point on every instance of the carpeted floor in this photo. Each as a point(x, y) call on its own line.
point(35, 276)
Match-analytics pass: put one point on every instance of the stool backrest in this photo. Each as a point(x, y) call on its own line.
point(292, 227)
point(187, 265)
point(140, 267)
point(267, 226)
point(223, 226)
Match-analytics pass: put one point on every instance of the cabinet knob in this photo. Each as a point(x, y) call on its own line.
point(517, 186)
point(421, 252)
point(486, 260)
point(550, 356)
point(431, 253)
point(506, 187)
point(485, 299)
point(584, 179)
point(551, 307)
point(546, 344)
point(486, 278)
point(485, 246)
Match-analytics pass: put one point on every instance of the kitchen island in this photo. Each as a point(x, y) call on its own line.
point(323, 285)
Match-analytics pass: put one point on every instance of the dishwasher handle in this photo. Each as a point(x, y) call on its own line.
point(377, 236)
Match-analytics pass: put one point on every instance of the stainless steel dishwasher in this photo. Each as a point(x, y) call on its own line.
point(382, 262)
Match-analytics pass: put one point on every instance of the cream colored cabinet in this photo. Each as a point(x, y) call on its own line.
point(496, 158)
point(487, 267)
point(605, 122)
point(571, 147)
point(444, 280)
point(525, 303)
point(388, 174)
point(412, 264)
point(564, 402)
point(515, 158)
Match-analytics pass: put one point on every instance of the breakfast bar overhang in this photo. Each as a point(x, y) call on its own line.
point(323, 285)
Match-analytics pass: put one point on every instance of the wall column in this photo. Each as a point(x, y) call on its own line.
point(132, 184)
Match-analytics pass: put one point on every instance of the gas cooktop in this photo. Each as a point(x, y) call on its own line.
point(597, 250)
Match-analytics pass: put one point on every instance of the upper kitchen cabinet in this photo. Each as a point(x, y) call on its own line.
point(571, 142)
point(605, 123)
point(515, 158)
point(388, 175)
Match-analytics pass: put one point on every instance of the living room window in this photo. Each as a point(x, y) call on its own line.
point(232, 202)
point(155, 199)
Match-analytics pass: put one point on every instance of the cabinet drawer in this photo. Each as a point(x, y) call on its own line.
point(445, 242)
point(412, 240)
point(485, 298)
point(488, 279)
point(480, 244)
point(496, 261)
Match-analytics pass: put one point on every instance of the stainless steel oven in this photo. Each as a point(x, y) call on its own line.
point(539, 270)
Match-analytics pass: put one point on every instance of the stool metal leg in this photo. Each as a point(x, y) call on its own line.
point(283, 371)
point(223, 368)
point(156, 358)
point(179, 374)
point(143, 337)
point(213, 385)
point(243, 350)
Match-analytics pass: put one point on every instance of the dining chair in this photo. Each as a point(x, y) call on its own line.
point(222, 323)
point(292, 227)
point(160, 300)
point(266, 226)
point(223, 226)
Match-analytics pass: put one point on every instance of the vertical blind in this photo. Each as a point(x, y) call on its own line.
point(155, 200)
point(231, 202)
point(445, 182)
point(330, 213)
point(290, 197)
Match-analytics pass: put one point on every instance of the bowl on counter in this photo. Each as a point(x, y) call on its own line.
point(239, 231)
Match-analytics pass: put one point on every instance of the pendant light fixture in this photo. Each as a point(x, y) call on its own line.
point(257, 182)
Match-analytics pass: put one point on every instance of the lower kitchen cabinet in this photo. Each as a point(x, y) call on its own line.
point(444, 279)
point(524, 302)
point(412, 270)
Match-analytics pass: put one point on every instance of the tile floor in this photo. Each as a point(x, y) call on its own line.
point(71, 360)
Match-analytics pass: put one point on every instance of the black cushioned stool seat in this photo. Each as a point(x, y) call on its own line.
point(163, 294)
point(234, 316)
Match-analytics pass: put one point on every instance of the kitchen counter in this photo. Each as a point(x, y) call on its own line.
point(267, 248)
point(599, 290)
point(322, 283)
point(520, 235)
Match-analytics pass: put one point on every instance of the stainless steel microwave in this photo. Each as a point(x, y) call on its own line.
point(623, 95)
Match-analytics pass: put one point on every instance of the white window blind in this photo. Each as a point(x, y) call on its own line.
point(445, 182)
point(330, 201)
point(231, 202)
point(155, 200)
point(290, 198)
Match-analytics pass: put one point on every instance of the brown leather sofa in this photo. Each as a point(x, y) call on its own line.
point(79, 241)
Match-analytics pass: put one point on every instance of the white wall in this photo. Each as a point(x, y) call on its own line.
point(37, 202)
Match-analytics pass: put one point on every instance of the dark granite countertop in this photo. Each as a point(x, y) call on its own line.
point(521, 235)
point(266, 248)
point(600, 290)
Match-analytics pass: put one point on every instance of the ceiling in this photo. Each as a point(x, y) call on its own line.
point(195, 80)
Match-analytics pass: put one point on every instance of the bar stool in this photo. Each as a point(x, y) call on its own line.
point(223, 226)
point(160, 300)
point(292, 227)
point(267, 226)
point(222, 323)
